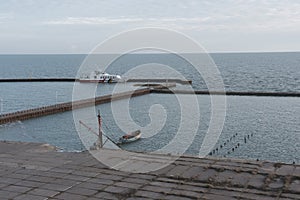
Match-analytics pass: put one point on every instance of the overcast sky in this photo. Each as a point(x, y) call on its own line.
point(77, 26)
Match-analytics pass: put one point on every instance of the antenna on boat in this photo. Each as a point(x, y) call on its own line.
point(100, 129)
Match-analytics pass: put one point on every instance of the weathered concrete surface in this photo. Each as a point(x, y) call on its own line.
point(37, 171)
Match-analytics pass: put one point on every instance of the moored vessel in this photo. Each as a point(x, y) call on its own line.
point(130, 137)
point(100, 77)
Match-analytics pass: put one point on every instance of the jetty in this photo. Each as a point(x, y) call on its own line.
point(162, 88)
point(159, 80)
point(63, 107)
point(227, 93)
point(68, 106)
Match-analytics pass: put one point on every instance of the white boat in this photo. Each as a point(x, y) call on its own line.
point(100, 77)
point(130, 137)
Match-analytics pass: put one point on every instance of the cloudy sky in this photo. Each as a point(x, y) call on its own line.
point(77, 26)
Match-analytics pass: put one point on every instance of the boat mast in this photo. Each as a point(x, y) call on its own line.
point(100, 129)
point(97, 134)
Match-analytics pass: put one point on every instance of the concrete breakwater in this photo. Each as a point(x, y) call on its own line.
point(153, 88)
point(62, 107)
point(173, 80)
point(37, 80)
point(228, 93)
point(180, 81)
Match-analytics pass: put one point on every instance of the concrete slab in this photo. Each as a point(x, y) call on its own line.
point(37, 171)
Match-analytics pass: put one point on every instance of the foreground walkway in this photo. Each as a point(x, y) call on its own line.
point(36, 171)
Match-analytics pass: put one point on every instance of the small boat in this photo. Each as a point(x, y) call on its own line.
point(99, 77)
point(130, 137)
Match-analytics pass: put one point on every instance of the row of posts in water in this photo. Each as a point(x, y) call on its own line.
point(224, 144)
point(231, 150)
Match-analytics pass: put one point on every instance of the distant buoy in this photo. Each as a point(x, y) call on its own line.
point(221, 146)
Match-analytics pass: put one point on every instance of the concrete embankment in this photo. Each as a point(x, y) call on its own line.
point(37, 80)
point(153, 88)
point(228, 93)
point(35, 171)
point(180, 81)
point(52, 109)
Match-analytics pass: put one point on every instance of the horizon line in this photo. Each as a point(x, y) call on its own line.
point(213, 52)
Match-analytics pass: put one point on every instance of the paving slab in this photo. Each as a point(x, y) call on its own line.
point(38, 171)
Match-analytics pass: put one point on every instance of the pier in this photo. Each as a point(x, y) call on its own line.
point(180, 81)
point(62, 107)
point(151, 88)
point(10, 80)
point(227, 93)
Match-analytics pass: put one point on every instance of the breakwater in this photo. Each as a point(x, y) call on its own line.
point(154, 88)
point(62, 107)
point(180, 81)
point(228, 93)
point(11, 80)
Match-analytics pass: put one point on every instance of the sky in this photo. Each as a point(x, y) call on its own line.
point(77, 26)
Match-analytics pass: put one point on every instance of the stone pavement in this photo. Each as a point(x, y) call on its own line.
point(37, 171)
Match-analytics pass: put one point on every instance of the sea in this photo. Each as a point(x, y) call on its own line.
point(263, 128)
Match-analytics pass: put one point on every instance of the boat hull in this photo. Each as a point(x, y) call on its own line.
point(97, 81)
point(99, 77)
point(132, 137)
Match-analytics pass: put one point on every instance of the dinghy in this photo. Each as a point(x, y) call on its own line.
point(130, 137)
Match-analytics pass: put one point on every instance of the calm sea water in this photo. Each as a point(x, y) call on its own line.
point(271, 123)
point(240, 71)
